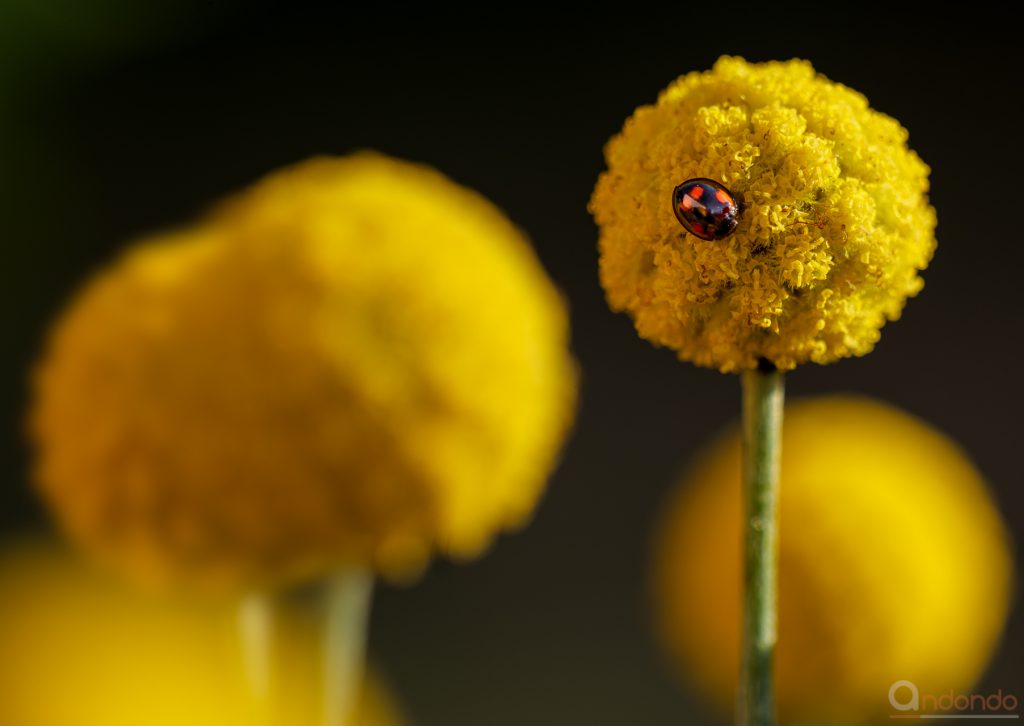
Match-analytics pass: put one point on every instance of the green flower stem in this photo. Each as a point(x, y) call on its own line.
point(304, 650)
point(762, 445)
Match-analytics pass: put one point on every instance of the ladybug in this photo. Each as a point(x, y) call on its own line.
point(706, 208)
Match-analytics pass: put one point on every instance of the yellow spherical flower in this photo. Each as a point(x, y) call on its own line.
point(894, 564)
point(82, 649)
point(834, 228)
point(356, 361)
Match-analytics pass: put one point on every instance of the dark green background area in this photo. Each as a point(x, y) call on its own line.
point(117, 119)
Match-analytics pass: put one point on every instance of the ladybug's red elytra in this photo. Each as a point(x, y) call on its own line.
point(706, 208)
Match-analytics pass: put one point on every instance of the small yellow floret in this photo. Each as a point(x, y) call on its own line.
point(836, 222)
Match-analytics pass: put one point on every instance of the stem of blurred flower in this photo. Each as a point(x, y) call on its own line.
point(303, 650)
point(763, 393)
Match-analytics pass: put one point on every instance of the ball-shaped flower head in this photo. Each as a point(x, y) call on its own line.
point(894, 564)
point(355, 362)
point(83, 648)
point(834, 228)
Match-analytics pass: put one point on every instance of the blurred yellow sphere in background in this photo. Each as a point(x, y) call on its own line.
point(894, 564)
point(354, 363)
point(82, 650)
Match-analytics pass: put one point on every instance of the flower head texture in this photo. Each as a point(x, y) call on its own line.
point(834, 229)
point(894, 563)
point(354, 362)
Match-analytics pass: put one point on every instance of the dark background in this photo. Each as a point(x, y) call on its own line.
point(120, 118)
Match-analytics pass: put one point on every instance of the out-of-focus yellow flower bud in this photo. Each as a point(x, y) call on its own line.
point(894, 564)
point(82, 650)
point(356, 362)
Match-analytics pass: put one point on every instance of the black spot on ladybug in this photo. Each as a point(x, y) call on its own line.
point(706, 208)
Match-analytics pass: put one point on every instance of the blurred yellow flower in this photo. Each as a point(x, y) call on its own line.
point(894, 564)
point(354, 362)
point(834, 229)
point(81, 650)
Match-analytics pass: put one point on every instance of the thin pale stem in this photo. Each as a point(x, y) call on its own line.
point(304, 650)
point(348, 610)
point(762, 444)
